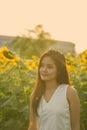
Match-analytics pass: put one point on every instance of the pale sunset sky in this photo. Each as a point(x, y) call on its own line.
point(65, 20)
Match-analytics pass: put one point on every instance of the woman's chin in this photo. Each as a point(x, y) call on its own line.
point(44, 79)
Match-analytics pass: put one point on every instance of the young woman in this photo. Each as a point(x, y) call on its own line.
point(54, 104)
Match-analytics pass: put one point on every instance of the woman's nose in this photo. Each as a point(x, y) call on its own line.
point(44, 68)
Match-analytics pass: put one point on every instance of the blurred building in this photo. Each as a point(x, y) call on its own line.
point(5, 39)
point(64, 47)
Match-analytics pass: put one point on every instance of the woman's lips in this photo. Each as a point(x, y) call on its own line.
point(44, 74)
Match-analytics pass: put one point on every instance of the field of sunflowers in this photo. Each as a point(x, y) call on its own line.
point(17, 78)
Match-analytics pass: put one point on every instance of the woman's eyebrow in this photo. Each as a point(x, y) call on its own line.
point(47, 63)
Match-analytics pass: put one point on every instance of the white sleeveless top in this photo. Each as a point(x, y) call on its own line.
point(55, 114)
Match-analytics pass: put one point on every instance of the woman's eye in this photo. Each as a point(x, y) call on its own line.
point(47, 66)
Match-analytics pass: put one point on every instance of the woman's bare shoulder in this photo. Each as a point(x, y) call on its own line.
point(71, 89)
point(71, 92)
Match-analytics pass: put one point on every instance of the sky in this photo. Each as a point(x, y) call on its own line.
point(65, 20)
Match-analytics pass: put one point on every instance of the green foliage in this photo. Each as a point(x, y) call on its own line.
point(78, 75)
point(15, 88)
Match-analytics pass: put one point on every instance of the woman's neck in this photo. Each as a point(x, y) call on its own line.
point(51, 85)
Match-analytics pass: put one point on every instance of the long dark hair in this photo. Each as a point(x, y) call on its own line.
point(62, 76)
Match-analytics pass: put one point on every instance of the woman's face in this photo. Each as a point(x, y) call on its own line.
point(48, 70)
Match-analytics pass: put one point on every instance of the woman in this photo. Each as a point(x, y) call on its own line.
point(54, 104)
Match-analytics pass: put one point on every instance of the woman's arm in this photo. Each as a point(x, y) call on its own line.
point(74, 108)
point(33, 119)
